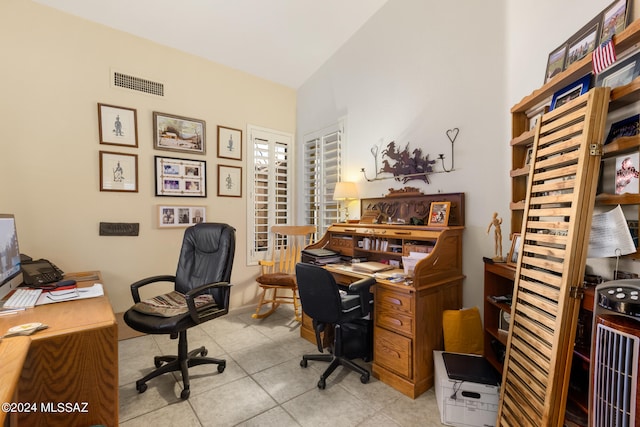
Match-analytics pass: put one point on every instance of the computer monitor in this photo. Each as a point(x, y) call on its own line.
point(10, 273)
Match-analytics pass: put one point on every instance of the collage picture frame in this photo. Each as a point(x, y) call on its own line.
point(172, 216)
point(180, 177)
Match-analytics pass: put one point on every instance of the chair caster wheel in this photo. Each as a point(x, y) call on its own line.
point(204, 352)
point(184, 395)
point(304, 363)
point(141, 387)
point(364, 378)
point(322, 384)
point(221, 367)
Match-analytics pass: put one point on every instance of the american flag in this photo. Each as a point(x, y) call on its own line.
point(603, 56)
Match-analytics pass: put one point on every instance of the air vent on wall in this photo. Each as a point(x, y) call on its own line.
point(126, 81)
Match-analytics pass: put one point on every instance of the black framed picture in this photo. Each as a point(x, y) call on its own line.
point(180, 177)
point(572, 91)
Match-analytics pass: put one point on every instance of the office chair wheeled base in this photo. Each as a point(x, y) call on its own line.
point(334, 362)
point(182, 362)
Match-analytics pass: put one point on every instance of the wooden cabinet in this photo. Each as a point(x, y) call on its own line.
point(408, 315)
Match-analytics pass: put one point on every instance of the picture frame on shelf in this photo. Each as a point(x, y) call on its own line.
point(118, 172)
point(229, 143)
point(620, 73)
point(555, 62)
point(528, 156)
point(178, 133)
point(615, 19)
point(516, 246)
point(569, 92)
point(180, 177)
point(583, 42)
point(626, 176)
point(117, 125)
point(229, 181)
point(629, 126)
point(439, 214)
point(170, 216)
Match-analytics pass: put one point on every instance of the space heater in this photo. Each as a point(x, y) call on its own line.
point(614, 355)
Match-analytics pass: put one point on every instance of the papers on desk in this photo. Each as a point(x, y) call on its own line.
point(49, 297)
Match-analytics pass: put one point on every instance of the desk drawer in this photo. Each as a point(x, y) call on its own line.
point(392, 351)
point(392, 319)
point(387, 299)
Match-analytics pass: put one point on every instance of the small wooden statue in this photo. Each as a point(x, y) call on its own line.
point(496, 222)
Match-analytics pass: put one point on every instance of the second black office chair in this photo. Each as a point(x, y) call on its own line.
point(321, 300)
point(202, 281)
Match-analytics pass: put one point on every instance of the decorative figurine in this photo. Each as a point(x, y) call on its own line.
point(496, 222)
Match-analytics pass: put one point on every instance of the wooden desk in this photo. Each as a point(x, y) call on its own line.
point(70, 372)
point(407, 317)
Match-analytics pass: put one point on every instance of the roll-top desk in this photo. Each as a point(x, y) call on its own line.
point(407, 315)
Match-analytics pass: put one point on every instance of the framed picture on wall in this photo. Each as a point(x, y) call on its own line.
point(177, 133)
point(229, 181)
point(180, 177)
point(180, 216)
point(117, 125)
point(118, 172)
point(229, 143)
point(439, 214)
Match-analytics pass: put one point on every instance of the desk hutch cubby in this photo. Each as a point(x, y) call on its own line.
point(407, 316)
point(499, 277)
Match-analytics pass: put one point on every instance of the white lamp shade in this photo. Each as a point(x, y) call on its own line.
point(345, 191)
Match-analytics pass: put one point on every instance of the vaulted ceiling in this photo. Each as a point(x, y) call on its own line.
point(284, 41)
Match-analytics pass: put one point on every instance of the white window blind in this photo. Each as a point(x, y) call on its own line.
point(322, 169)
point(270, 187)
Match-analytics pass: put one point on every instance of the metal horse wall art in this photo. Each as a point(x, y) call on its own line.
point(406, 165)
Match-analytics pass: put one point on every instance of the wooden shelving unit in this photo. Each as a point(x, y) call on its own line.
point(499, 277)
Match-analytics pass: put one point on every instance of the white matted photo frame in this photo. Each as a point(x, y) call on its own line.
point(178, 133)
point(229, 143)
point(180, 216)
point(180, 177)
point(229, 181)
point(118, 172)
point(439, 214)
point(117, 125)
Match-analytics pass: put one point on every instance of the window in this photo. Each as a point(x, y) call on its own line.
point(322, 168)
point(270, 185)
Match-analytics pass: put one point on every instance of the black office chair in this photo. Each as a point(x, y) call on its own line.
point(321, 300)
point(203, 273)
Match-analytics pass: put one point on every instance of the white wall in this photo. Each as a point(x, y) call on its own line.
point(55, 69)
point(418, 68)
point(415, 70)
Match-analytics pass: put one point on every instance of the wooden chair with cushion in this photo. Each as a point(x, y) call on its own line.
point(278, 277)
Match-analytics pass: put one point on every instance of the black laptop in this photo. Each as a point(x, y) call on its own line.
point(465, 367)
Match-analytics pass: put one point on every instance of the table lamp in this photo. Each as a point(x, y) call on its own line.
point(345, 191)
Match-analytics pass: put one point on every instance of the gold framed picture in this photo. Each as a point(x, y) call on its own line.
point(439, 214)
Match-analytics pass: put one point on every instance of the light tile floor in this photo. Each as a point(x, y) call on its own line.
point(262, 385)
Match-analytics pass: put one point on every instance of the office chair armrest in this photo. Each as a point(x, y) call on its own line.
point(208, 311)
point(362, 287)
point(135, 293)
